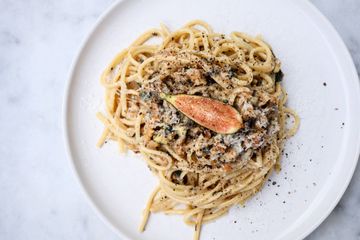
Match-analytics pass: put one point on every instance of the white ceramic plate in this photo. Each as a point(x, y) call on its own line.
point(321, 157)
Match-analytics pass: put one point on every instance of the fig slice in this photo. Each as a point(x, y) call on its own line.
point(207, 112)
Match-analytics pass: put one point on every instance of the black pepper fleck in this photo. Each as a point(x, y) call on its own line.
point(324, 83)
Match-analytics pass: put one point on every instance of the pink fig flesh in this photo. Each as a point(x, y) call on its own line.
point(209, 113)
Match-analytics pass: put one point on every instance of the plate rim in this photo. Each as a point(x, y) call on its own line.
point(66, 100)
point(65, 122)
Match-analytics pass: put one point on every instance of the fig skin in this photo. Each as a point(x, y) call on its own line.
point(207, 112)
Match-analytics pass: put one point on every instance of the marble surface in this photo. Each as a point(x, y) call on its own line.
point(39, 197)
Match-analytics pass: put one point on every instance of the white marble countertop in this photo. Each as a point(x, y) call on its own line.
point(39, 197)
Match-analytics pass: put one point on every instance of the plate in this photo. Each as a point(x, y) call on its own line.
point(317, 164)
